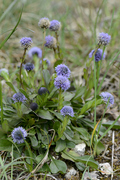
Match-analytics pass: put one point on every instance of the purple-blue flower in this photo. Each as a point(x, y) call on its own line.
point(35, 51)
point(46, 60)
point(55, 25)
point(63, 70)
point(103, 39)
point(44, 23)
point(26, 42)
point(98, 56)
point(18, 135)
point(67, 110)
point(29, 66)
point(62, 82)
point(50, 42)
point(107, 96)
point(19, 97)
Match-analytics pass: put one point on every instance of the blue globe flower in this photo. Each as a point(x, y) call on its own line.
point(63, 70)
point(104, 39)
point(62, 82)
point(29, 66)
point(50, 42)
point(67, 111)
point(107, 96)
point(55, 25)
point(44, 23)
point(35, 51)
point(98, 55)
point(18, 135)
point(19, 97)
point(26, 42)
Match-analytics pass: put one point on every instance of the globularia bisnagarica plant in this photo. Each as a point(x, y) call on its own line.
point(45, 117)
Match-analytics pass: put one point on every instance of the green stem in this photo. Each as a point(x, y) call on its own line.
point(60, 100)
point(58, 47)
point(1, 104)
point(22, 60)
point(44, 34)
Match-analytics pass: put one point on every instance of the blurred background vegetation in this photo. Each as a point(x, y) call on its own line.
point(81, 21)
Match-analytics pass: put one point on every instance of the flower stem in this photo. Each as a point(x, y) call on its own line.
point(58, 47)
point(44, 34)
point(60, 100)
point(22, 60)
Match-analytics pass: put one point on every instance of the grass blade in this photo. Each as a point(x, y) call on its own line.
point(2, 44)
point(7, 10)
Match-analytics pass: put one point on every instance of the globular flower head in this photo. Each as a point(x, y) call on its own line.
point(62, 82)
point(46, 60)
point(107, 96)
point(33, 106)
point(18, 135)
point(103, 39)
point(55, 25)
point(98, 55)
point(50, 42)
point(63, 70)
point(67, 110)
point(26, 42)
point(29, 66)
point(35, 51)
point(43, 90)
point(44, 23)
point(19, 97)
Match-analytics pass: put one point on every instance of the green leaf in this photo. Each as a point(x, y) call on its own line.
point(2, 133)
point(69, 133)
point(45, 168)
point(68, 96)
point(83, 132)
point(60, 145)
point(57, 63)
point(12, 87)
point(58, 166)
point(90, 105)
point(70, 144)
point(80, 166)
point(88, 160)
point(100, 147)
point(58, 115)
point(34, 141)
point(39, 158)
point(24, 92)
point(25, 110)
point(5, 126)
point(79, 92)
point(5, 145)
point(89, 123)
point(46, 76)
point(109, 123)
point(45, 115)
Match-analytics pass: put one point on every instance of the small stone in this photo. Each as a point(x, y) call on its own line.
point(80, 149)
point(71, 174)
point(91, 175)
point(105, 168)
